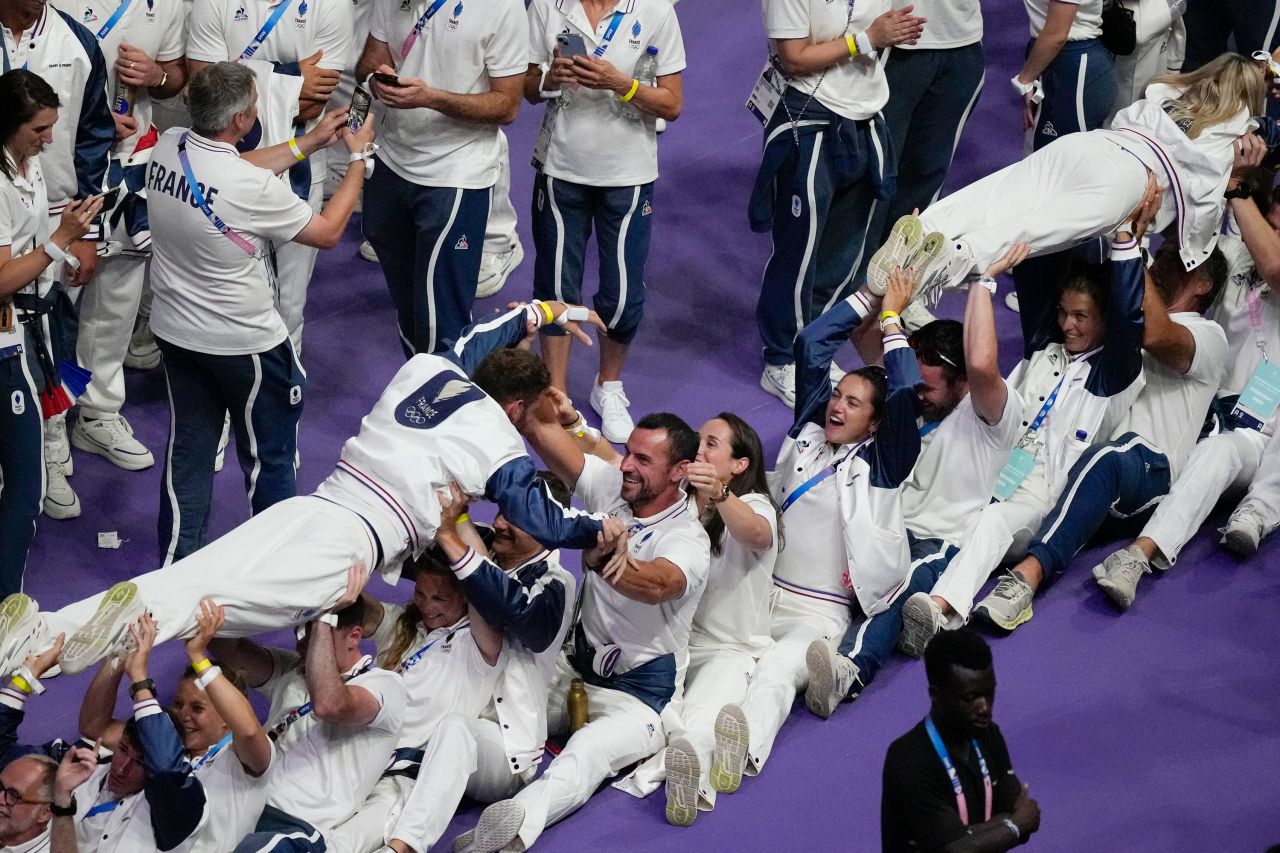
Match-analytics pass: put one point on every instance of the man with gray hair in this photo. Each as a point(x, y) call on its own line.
point(217, 220)
point(27, 784)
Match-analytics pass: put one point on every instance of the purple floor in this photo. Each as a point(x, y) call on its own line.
point(1150, 732)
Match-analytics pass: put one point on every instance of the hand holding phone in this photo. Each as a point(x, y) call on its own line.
point(110, 197)
point(571, 45)
point(360, 102)
point(386, 79)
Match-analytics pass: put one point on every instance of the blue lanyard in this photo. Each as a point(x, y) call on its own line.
point(417, 28)
point(265, 31)
point(608, 35)
point(961, 804)
point(213, 750)
point(1048, 404)
point(306, 707)
point(412, 661)
point(929, 427)
point(819, 477)
point(203, 204)
point(113, 20)
point(103, 808)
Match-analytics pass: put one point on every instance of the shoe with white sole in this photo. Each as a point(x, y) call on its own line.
point(22, 631)
point(922, 619)
point(57, 449)
point(1009, 604)
point(111, 438)
point(498, 830)
point(928, 255)
point(832, 677)
point(494, 269)
point(780, 381)
point(1119, 573)
point(610, 403)
point(367, 252)
point(143, 352)
point(1011, 301)
point(904, 238)
point(730, 759)
point(1244, 531)
point(683, 771)
point(915, 316)
point(948, 269)
point(220, 458)
point(106, 634)
point(60, 500)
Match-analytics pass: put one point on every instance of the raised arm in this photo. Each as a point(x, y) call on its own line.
point(1171, 343)
point(987, 387)
point(513, 326)
point(1121, 361)
point(333, 700)
point(247, 656)
point(97, 708)
point(816, 346)
point(528, 504)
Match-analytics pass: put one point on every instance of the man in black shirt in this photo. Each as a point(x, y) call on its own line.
point(948, 783)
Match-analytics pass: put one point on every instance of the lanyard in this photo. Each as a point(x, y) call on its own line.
point(941, 749)
point(213, 750)
point(412, 661)
point(113, 20)
point(608, 35)
point(103, 808)
point(1048, 404)
point(417, 28)
point(819, 477)
point(929, 427)
point(270, 25)
point(305, 708)
point(1255, 320)
point(203, 204)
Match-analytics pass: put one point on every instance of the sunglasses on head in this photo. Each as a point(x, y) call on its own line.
point(930, 356)
point(1271, 66)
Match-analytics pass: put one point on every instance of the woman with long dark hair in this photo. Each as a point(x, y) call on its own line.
point(30, 253)
point(731, 626)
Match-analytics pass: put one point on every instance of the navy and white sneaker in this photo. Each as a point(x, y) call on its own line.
point(111, 438)
point(780, 381)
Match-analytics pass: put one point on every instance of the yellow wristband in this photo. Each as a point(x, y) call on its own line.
point(200, 666)
point(21, 683)
point(461, 519)
point(888, 315)
point(297, 152)
point(853, 45)
point(631, 93)
point(547, 312)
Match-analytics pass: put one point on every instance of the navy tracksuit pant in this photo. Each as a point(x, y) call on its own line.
point(21, 466)
point(1079, 91)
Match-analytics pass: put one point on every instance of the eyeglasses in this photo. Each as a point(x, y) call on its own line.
point(13, 798)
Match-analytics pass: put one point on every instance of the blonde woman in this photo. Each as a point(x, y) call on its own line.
point(1186, 132)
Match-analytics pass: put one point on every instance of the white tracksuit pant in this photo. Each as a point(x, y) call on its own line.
point(107, 311)
point(1002, 531)
point(294, 264)
point(621, 730)
point(1080, 186)
point(795, 622)
point(500, 232)
point(1220, 463)
point(1264, 494)
point(283, 566)
point(463, 756)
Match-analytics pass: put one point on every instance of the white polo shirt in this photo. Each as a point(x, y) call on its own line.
point(234, 801)
point(1231, 312)
point(856, 88)
point(443, 672)
point(125, 828)
point(220, 30)
point(24, 222)
point(323, 772)
point(955, 474)
point(1087, 24)
point(641, 631)
point(210, 295)
point(590, 143)
point(459, 50)
point(952, 23)
point(153, 26)
point(734, 611)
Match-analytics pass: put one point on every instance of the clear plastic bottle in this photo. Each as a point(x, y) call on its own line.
point(647, 73)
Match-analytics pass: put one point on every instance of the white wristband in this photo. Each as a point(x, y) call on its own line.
point(34, 683)
point(576, 313)
point(206, 678)
point(1035, 89)
point(330, 619)
point(989, 283)
point(59, 256)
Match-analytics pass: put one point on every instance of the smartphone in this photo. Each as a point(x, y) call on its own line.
point(110, 197)
point(360, 101)
point(571, 45)
point(386, 79)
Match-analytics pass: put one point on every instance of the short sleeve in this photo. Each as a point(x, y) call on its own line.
point(388, 688)
point(1210, 357)
point(1003, 434)
point(8, 228)
point(278, 214)
point(380, 21)
point(599, 485)
point(763, 507)
point(505, 52)
point(173, 44)
point(670, 44)
point(335, 35)
point(539, 45)
point(206, 41)
point(786, 19)
point(912, 796)
point(688, 552)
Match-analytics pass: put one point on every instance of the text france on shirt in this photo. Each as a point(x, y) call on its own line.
point(171, 183)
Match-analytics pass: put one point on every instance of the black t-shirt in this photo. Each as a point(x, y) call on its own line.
point(917, 803)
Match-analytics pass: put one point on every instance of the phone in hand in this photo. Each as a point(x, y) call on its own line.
point(571, 45)
point(360, 102)
point(387, 79)
point(110, 197)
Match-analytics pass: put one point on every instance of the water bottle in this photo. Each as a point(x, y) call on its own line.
point(647, 74)
point(577, 705)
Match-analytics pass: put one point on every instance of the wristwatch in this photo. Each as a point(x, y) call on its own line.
point(59, 811)
point(144, 684)
point(722, 497)
point(1242, 190)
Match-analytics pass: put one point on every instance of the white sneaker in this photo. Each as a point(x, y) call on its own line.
point(1011, 301)
point(57, 450)
point(221, 458)
point(610, 403)
point(732, 739)
point(497, 831)
point(683, 770)
point(915, 316)
point(111, 438)
point(922, 619)
point(107, 632)
point(903, 240)
point(1244, 531)
point(494, 269)
point(144, 353)
point(780, 381)
point(367, 252)
point(60, 499)
point(22, 630)
point(832, 677)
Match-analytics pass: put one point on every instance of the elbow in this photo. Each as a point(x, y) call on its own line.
point(329, 710)
point(509, 114)
point(793, 66)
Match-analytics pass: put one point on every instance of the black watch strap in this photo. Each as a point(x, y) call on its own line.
point(59, 811)
point(144, 684)
point(1242, 190)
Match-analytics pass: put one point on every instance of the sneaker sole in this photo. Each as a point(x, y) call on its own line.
point(1116, 595)
point(62, 512)
point(129, 463)
point(918, 628)
point(904, 237)
point(19, 623)
point(147, 360)
point(96, 638)
point(923, 258)
point(985, 615)
point(371, 257)
point(498, 826)
point(682, 783)
point(500, 280)
point(462, 844)
point(1239, 543)
point(822, 679)
point(732, 738)
point(770, 387)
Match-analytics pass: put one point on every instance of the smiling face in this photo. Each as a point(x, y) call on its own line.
point(440, 603)
point(198, 723)
point(1081, 321)
point(937, 394)
point(715, 447)
point(851, 411)
point(646, 468)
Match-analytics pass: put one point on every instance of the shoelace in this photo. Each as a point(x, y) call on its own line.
point(1008, 588)
point(1245, 516)
point(1130, 568)
point(613, 402)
